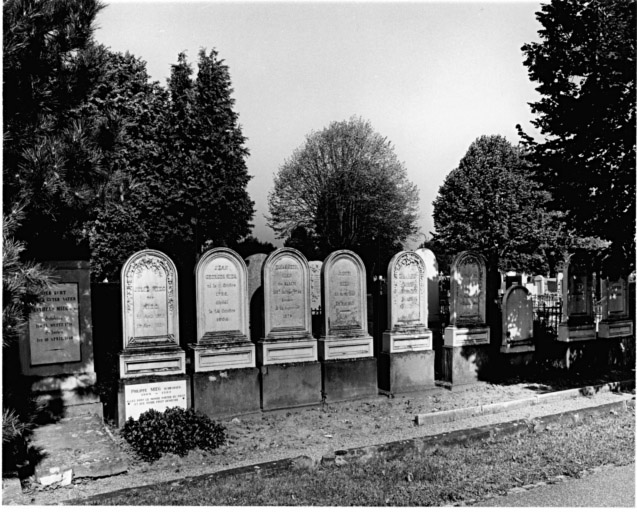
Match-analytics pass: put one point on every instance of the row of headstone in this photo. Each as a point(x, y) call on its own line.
point(256, 348)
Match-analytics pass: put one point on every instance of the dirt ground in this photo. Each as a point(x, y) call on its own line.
point(318, 431)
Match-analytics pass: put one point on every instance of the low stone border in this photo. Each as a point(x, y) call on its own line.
point(480, 410)
point(391, 450)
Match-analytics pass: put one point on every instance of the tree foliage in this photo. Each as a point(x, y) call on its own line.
point(347, 189)
point(491, 204)
point(106, 162)
point(585, 69)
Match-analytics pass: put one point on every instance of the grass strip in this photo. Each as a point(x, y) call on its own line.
point(435, 476)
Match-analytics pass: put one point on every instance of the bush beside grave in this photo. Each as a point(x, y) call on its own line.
point(175, 430)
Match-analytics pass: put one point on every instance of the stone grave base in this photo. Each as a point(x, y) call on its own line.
point(455, 336)
point(290, 385)
point(347, 379)
point(215, 357)
point(615, 328)
point(148, 361)
point(228, 392)
point(396, 341)
point(576, 355)
point(68, 395)
point(406, 371)
point(516, 358)
point(151, 392)
point(465, 365)
point(567, 332)
point(336, 347)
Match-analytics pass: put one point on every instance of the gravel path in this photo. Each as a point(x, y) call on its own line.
point(317, 431)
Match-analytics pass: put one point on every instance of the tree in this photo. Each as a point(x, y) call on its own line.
point(182, 159)
point(252, 245)
point(585, 69)
point(347, 189)
point(51, 167)
point(491, 204)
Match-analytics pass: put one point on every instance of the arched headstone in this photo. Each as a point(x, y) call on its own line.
point(222, 313)
point(407, 304)
point(287, 312)
point(517, 320)
point(345, 300)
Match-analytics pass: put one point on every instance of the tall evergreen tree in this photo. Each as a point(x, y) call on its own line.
point(584, 66)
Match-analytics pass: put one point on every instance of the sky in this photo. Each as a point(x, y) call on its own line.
point(430, 77)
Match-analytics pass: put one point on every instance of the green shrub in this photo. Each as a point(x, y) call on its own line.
point(175, 430)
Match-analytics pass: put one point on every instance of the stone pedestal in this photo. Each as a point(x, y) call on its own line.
point(615, 328)
point(159, 392)
point(465, 365)
point(568, 333)
point(290, 385)
point(349, 379)
point(458, 336)
point(331, 348)
point(405, 372)
point(228, 392)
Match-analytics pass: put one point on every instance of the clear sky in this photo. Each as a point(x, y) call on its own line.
point(431, 77)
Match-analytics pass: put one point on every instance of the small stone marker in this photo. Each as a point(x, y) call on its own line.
point(154, 395)
point(222, 313)
point(315, 284)
point(288, 325)
point(345, 300)
point(517, 320)
point(151, 316)
point(407, 304)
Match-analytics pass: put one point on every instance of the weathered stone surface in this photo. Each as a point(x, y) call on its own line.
point(149, 300)
point(80, 445)
point(517, 319)
point(349, 379)
point(290, 385)
point(407, 305)
point(344, 330)
point(404, 372)
point(315, 284)
point(224, 393)
point(255, 294)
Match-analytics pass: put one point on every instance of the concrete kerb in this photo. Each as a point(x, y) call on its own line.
point(394, 449)
point(480, 410)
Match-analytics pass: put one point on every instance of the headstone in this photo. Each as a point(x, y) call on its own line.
point(151, 354)
point(287, 312)
point(466, 339)
point(56, 348)
point(578, 316)
point(345, 300)
point(407, 305)
point(222, 313)
point(468, 290)
point(255, 264)
point(346, 349)
point(517, 320)
point(287, 354)
point(406, 362)
point(315, 285)
point(539, 285)
point(615, 310)
point(433, 290)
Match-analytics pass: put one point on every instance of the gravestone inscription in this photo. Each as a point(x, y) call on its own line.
point(54, 326)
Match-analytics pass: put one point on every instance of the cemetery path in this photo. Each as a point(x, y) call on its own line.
point(319, 431)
